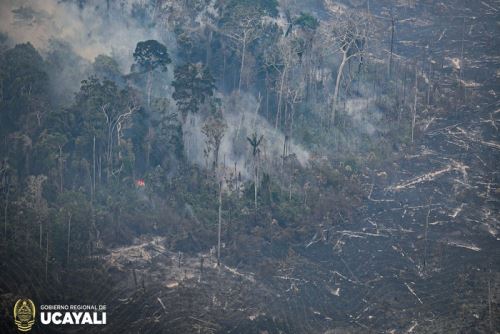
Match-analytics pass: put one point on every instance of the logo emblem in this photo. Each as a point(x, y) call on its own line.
point(24, 314)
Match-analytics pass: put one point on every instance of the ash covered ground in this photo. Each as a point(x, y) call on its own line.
point(418, 254)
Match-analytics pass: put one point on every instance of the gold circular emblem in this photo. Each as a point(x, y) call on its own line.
point(24, 314)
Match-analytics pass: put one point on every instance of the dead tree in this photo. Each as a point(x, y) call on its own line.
point(115, 122)
point(286, 60)
point(47, 257)
point(425, 234)
point(414, 111)
point(214, 129)
point(242, 31)
point(60, 160)
point(393, 25)
point(69, 239)
point(347, 33)
point(6, 192)
point(34, 200)
point(219, 223)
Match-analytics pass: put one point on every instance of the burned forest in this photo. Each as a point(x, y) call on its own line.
point(250, 166)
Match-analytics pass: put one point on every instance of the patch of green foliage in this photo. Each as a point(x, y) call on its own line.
point(306, 20)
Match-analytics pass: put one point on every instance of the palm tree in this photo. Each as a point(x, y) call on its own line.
point(255, 142)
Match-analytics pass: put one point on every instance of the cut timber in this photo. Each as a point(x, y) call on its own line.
point(454, 166)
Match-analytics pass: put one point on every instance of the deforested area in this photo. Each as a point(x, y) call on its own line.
point(252, 166)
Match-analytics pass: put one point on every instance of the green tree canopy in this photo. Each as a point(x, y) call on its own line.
point(306, 20)
point(24, 86)
point(150, 55)
point(106, 67)
point(193, 84)
point(264, 7)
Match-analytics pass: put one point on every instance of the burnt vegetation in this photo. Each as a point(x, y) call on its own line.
point(254, 166)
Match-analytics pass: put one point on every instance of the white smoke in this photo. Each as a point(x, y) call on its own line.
point(242, 119)
point(90, 31)
point(364, 114)
point(70, 37)
point(94, 29)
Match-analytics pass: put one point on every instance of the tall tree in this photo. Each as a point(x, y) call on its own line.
point(193, 84)
point(73, 229)
point(23, 90)
point(103, 112)
point(242, 22)
point(6, 186)
point(304, 42)
point(255, 142)
point(34, 201)
point(151, 55)
point(214, 129)
point(347, 33)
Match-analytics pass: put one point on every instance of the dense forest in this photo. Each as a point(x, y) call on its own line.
point(265, 166)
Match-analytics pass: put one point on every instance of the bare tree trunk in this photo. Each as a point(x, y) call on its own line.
point(267, 96)
point(392, 43)
point(5, 213)
point(255, 186)
point(93, 169)
point(489, 303)
point(202, 259)
point(223, 68)
point(148, 147)
point(220, 223)
point(429, 85)
point(425, 235)
point(283, 155)
point(100, 168)
point(47, 257)
point(135, 277)
point(27, 236)
point(109, 154)
point(404, 91)
point(60, 170)
point(460, 69)
point(69, 239)
point(244, 49)
point(149, 87)
point(208, 47)
point(462, 50)
point(414, 105)
point(337, 85)
point(40, 232)
point(216, 153)
point(280, 98)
